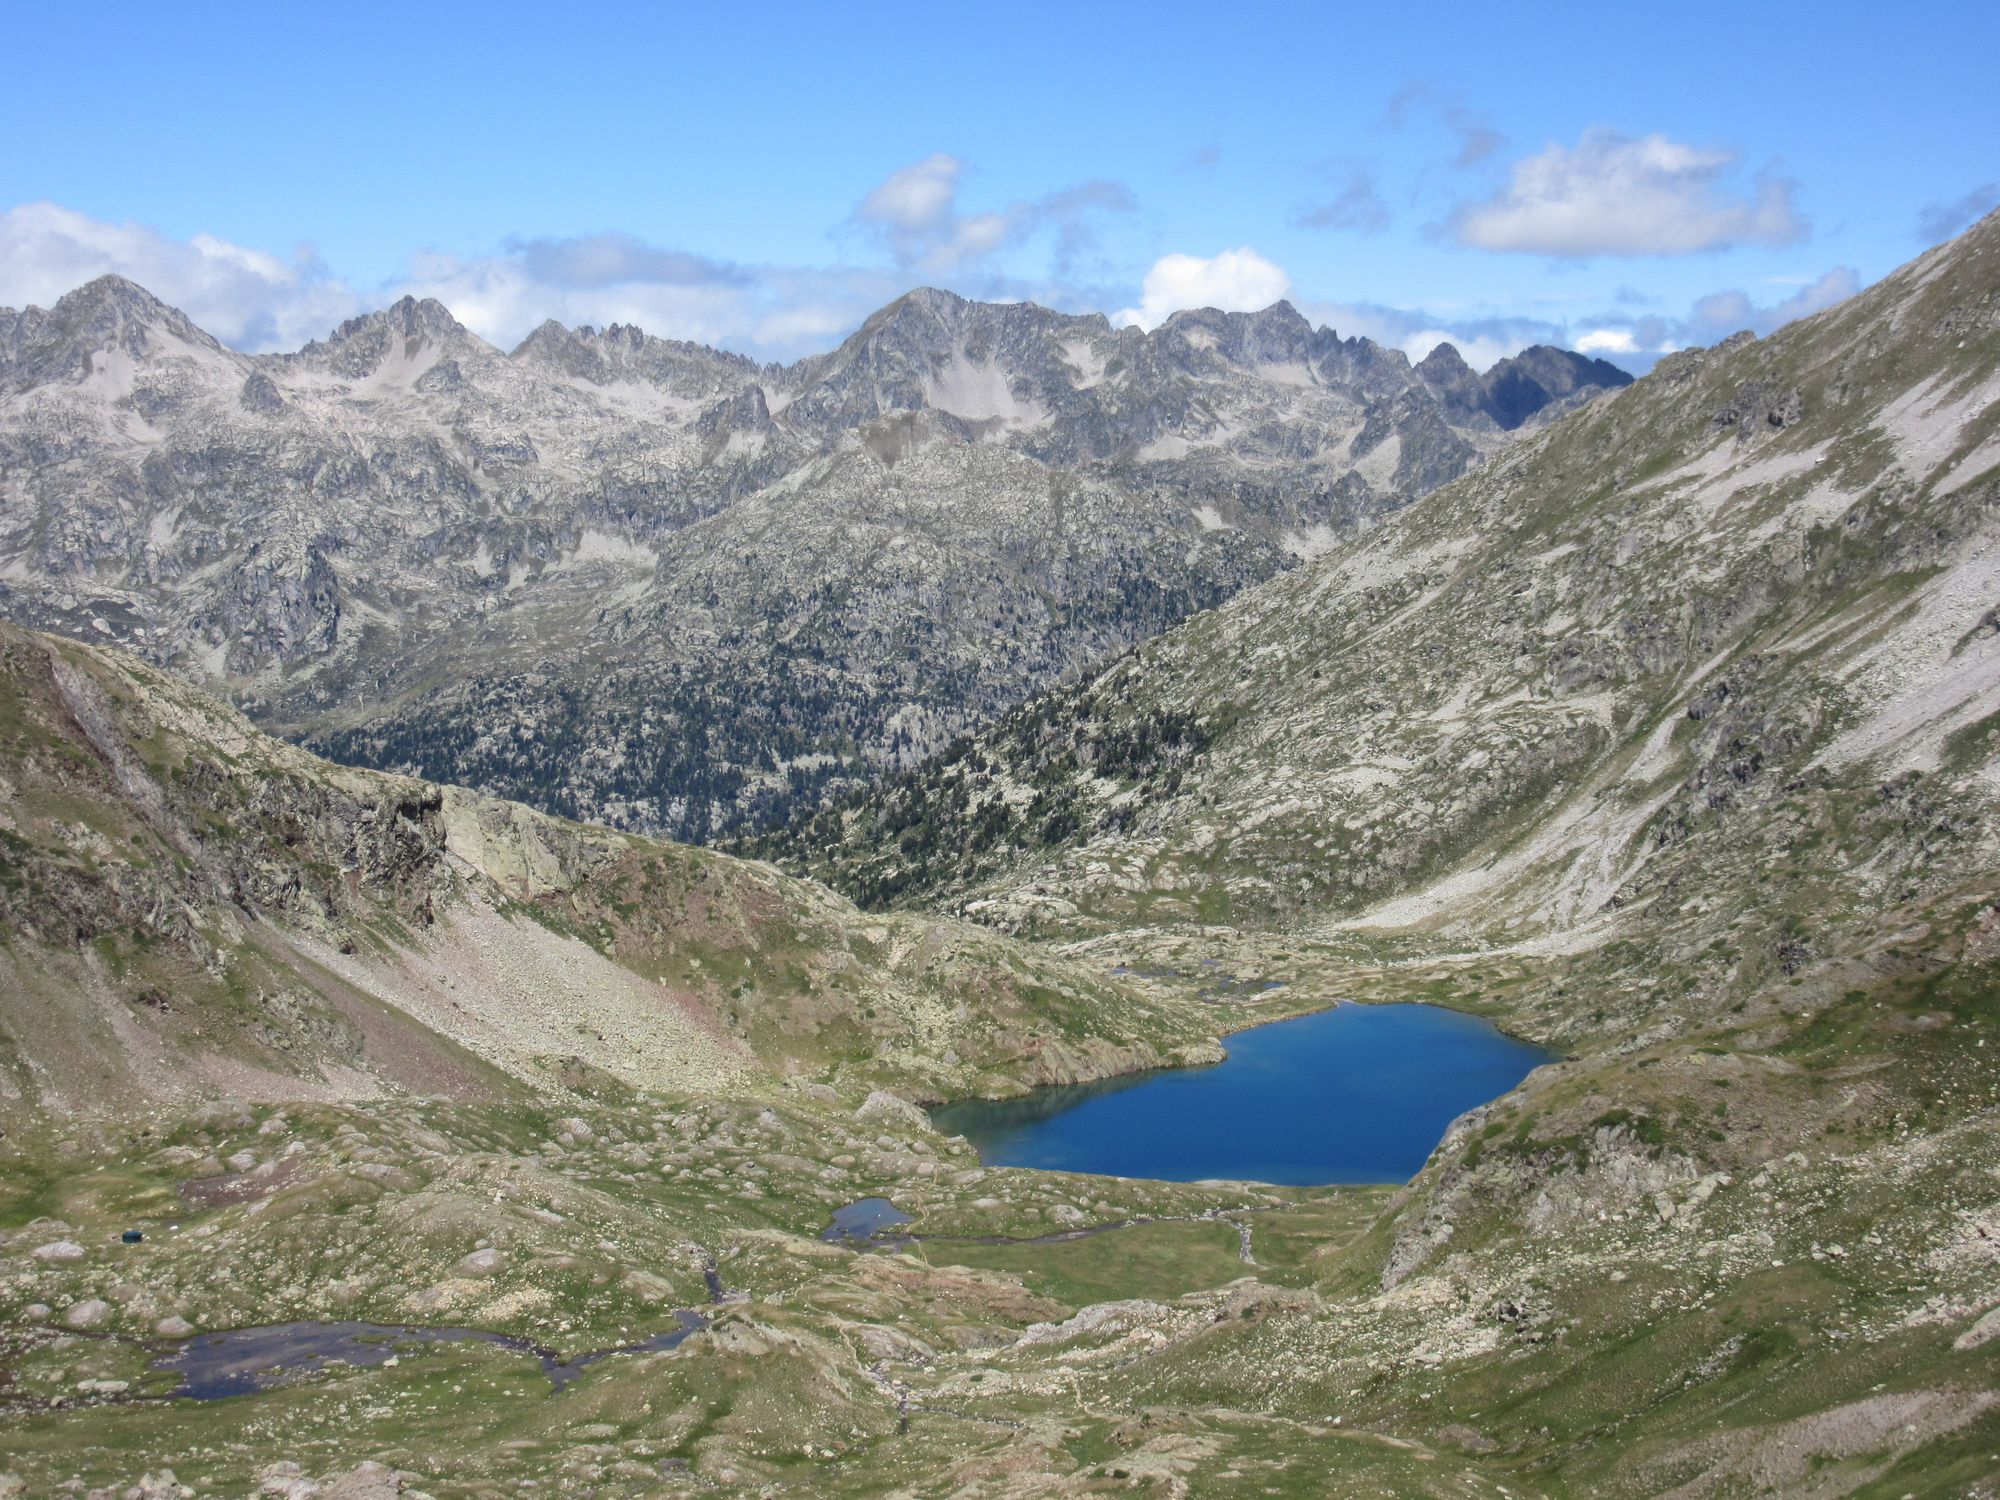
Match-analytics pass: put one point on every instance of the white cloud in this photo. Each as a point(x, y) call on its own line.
point(1480, 340)
point(918, 197)
point(257, 301)
point(773, 311)
point(1638, 342)
point(1725, 312)
point(1234, 281)
point(247, 298)
point(1940, 221)
point(915, 213)
point(1607, 341)
point(1614, 195)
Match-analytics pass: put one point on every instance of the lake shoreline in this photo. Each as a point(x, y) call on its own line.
point(1347, 1094)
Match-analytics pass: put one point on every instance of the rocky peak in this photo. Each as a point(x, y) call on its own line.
point(1279, 334)
point(1455, 383)
point(404, 330)
point(1445, 367)
point(625, 351)
point(110, 313)
point(1520, 386)
point(932, 300)
point(570, 350)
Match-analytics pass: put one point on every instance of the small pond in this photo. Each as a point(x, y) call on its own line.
point(1359, 1093)
point(862, 1220)
point(237, 1361)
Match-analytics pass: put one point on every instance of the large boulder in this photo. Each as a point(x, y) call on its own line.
point(892, 1112)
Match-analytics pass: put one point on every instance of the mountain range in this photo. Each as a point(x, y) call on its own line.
point(1666, 736)
point(666, 588)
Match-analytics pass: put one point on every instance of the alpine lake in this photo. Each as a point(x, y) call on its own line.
point(1355, 1094)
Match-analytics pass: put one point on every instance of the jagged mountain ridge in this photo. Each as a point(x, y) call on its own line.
point(643, 581)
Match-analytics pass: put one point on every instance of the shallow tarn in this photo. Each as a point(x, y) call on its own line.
point(1355, 1094)
point(863, 1220)
point(237, 1361)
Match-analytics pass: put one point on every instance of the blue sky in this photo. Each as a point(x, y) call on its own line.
point(764, 177)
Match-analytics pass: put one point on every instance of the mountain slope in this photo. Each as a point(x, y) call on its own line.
point(1668, 745)
point(1502, 709)
point(648, 583)
point(1668, 738)
point(193, 910)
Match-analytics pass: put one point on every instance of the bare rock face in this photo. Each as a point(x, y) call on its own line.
point(647, 583)
point(487, 1262)
point(287, 1480)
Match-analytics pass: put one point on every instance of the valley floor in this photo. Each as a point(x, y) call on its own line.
point(1814, 1326)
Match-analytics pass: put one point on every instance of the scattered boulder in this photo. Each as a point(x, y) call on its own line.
point(1467, 1439)
point(484, 1262)
point(57, 1250)
point(286, 1481)
point(646, 1285)
point(160, 1486)
point(90, 1313)
point(366, 1481)
point(173, 1327)
point(885, 1108)
point(1098, 1318)
point(1757, 405)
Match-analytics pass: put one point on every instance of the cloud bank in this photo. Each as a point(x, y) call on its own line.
point(247, 298)
point(918, 224)
point(1234, 281)
point(1616, 195)
point(915, 214)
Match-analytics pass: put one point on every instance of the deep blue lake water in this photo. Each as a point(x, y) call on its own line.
point(1359, 1093)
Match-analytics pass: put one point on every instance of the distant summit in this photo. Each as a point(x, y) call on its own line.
point(644, 581)
point(1516, 389)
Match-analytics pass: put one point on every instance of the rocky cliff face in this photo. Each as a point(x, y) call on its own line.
point(652, 584)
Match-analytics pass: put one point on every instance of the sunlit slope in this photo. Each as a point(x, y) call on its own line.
point(192, 909)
